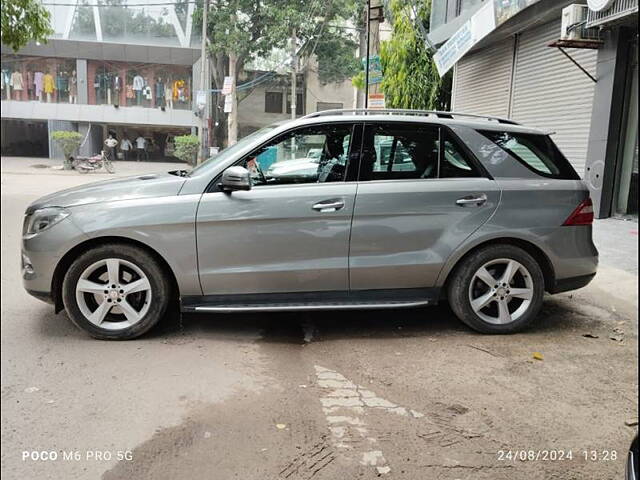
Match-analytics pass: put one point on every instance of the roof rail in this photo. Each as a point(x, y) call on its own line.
point(397, 111)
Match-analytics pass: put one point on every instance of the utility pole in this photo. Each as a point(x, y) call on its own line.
point(203, 85)
point(373, 43)
point(294, 72)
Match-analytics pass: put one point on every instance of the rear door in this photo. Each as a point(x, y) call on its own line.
point(420, 194)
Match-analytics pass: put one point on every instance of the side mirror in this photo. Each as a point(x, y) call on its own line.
point(235, 178)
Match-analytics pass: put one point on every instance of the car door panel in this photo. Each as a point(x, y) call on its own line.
point(271, 239)
point(404, 231)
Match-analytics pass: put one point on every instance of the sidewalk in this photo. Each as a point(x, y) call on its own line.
point(42, 166)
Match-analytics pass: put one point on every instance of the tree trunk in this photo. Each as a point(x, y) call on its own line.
point(232, 133)
point(218, 116)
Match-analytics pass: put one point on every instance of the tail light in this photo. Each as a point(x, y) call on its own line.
point(582, 215)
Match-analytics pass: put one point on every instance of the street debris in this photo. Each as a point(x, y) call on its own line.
point(631, 422)
point(281, 426)
point(207, 434)
point(590, 335)
point(31, 389)
point(493, 354)
point(538, 356)
point(618, 335)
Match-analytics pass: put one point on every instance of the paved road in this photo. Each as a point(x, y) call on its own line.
point(400, 395)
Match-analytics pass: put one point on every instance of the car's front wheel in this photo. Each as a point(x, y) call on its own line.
point(497, 289)
point(115, 292)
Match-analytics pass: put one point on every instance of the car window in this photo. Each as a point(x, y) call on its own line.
point(537, 152)
point(396, 152)
point(399, 152)
point(315, 154)
point(455, 162)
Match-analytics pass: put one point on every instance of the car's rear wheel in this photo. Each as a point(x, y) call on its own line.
point(497, 289)
point(115, 292)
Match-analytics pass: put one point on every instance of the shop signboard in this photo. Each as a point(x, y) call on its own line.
point(376, 101)
point(227, 86)
point(228, 104)
point(375, 69)
point(490, 16)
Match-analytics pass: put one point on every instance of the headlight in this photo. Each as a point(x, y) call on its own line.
point(42, 219)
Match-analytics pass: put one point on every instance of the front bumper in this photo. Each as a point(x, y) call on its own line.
point(41, 254)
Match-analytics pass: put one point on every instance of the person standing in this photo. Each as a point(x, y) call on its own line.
point(111, 143)
point(140, 148)
point(126, 146)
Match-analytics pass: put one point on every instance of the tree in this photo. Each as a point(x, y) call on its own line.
point(68, 142)
point(186, 148)
point(411, 79)
point(24, 21)
point(242, 30)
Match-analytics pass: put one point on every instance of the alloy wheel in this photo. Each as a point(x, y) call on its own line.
point(501, 291)
point(113, 294)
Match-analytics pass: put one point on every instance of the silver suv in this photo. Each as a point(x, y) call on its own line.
point(400, 209)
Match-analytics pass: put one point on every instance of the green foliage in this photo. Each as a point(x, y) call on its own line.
point(411, 79)
point(68, 142)
point(118, 21)
point(186, 148)
point(24, 21)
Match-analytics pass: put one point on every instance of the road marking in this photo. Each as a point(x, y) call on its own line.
point(342, 403)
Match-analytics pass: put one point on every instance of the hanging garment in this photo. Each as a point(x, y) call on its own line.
point(48, 84)
point(177, 86)
point(168, 93)
point(29, 81)
point(73, 86)
point(138, 83)
point(146, 92)
point(6, 78)
point(17, 81)
point(117, 82)
point(159, 86)
point(38, 79)
point(62, 83)
point(128, 92)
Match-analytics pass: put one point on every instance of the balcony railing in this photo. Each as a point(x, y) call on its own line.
point(617, 11)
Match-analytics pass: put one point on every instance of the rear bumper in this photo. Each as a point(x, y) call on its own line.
point(573, 283)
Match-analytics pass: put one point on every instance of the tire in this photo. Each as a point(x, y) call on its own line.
point(482, 306)
point(138, 301)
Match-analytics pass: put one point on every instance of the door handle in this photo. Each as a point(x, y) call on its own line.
point(328, 206)
point(472, 200)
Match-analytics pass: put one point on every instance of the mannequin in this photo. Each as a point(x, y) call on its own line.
point(117, 86)
point(17, 84)
point(159, 92)
point(49, 85)
point(6, 83)
point(138, 85)
point(73, 87)
point(38, 79)
point(62, 85)
point(168, 94)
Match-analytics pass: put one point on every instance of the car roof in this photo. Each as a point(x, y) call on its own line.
point(471, 121)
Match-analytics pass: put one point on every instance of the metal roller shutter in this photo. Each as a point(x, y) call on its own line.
point(482, 80)
point(551, 93)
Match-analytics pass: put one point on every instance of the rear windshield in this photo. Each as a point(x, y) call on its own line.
point(536, 152)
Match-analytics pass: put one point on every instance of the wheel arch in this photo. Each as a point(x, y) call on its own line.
point(536, 252)
point(67, 259)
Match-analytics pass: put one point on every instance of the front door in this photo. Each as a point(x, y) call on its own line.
point(290, 232)
point(416, 203)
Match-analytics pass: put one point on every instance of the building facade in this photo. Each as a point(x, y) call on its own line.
point(131, 70)
point(585, 92)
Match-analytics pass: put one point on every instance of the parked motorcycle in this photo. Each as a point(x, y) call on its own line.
point(91, 164)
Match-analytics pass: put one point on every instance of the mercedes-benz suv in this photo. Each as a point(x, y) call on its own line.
point(402, 209)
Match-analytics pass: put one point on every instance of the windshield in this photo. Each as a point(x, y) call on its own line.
point(229, 151)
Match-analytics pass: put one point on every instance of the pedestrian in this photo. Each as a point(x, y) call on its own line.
point(141, 143)
point(126, 146)
point(111, 143)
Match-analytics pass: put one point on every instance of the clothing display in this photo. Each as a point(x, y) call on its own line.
point(168, 95)
point(17, 82)
point(159, 93)
point(48, 85)
point(146, 93)
point(30, 86)
point(38, 80)
point(73, 88)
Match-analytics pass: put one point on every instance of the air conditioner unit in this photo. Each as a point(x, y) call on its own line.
point(574, 18)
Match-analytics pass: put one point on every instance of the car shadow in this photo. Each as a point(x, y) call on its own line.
point(557, 315)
